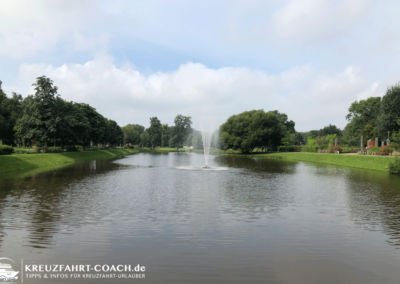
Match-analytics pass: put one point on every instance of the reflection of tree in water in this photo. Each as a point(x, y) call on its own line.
point(41, 203)
point(256, 186)
point(374, 198)
point(375, 202)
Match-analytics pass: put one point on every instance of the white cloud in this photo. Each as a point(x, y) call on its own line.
point(311, 99)
point(315, 20)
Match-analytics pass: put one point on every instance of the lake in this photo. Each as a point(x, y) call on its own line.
point(260, 221)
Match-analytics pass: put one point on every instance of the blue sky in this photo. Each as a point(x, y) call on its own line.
point(209, 59)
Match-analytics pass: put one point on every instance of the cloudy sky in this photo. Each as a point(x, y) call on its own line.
point(132, 60)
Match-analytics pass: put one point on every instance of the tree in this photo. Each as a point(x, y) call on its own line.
point(164, 135)
point(139, 128)
point(73, 127)
point(361, 113)
point(251, 129)
point(289, 139)
point(131, 136)
point(288, 123)
point(183, 126)
point(144, 139)
point(10, 112)
point(40, 116)
point(154, 132)
point(390, 111)
point(96, 126)
point(114, 134)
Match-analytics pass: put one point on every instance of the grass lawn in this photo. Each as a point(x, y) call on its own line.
point(378, 163)
point(27, 161)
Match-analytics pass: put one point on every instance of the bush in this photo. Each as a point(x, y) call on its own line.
point(6, 150)
point(334, 149)
point(53, 150)
point(385, 150)
point(394, 167)
point(294, 148)
point(70, 148)
point(24, 151)
point(375, 149)
point(79, 148)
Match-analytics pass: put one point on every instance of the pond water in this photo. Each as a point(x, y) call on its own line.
point(260, 221)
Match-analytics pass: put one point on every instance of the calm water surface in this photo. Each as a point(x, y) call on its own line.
point(262, 221)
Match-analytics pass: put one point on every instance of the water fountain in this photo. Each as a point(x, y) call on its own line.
point(206, 136)
point(206, 145)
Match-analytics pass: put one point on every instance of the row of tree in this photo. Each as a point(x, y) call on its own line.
point(45, 117)
point(160, 134)
point(375, 116)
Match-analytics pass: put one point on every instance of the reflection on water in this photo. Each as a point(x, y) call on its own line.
point(261, 221)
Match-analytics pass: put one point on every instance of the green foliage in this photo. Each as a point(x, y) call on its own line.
point(390, 111)
point(394, 166)
point(165, 135)
point(40, 115)
point(369, 132)
point(290, 148)
point(289, 139)
point(145, 139)
point(183, 127)
point(6, 150)
point(375, 149)
point(71, 148)
point(251, 129)
point(363, 113)
point(10, 112)
point(131, 135)
point(310, 145)
point(155, 132)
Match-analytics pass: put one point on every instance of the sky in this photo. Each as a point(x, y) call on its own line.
point(132, 60)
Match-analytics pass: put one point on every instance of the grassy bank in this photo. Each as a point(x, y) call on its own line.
point(25, 161)
point(378, 163)
point(162, 150)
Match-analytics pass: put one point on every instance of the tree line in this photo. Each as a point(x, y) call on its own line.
point(160, 134)
point(45, 118)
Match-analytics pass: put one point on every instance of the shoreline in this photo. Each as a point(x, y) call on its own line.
point(16, 162)
point(377, 163)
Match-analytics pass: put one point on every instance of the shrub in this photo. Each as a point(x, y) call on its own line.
point(384, 150)
point(375, 149)
point(37, 149)
point(334, 149)
point(53, 150)
point(79, 148)
point(6, 150)
point(70, 148)
point(394, 167)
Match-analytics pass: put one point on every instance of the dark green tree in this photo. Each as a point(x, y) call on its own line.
point(183, 127)
point(251, 129)
point(390, 111)
point(131, 136)
point(10, 112)
point(145, 139)
point(139, 128)
point(362, 113)
point(96, 126)
point(40, 115)
point(164, 135)
point(155, 132)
